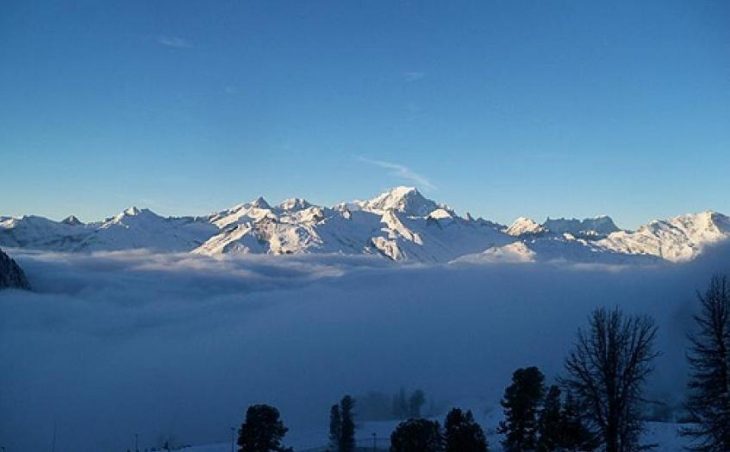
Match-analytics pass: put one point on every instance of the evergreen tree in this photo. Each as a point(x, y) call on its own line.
point(521, 402)
point(262, 431)
point(575, 436)
point(709, 357)
point(400, 404)
point(550, 426)
point(335, 427)
point(606, 373)
point(462, 434)
point(415, 403)
point(417, 435)
point(347, 431)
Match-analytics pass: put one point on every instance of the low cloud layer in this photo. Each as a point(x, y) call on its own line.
point(114, 344)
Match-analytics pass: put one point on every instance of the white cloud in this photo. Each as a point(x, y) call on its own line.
point(402, 172)
point(174, 41)
point(113, 344)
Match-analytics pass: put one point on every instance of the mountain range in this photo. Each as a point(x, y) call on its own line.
point(400, 224)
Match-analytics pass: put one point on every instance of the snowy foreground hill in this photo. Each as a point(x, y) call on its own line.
point(400, 224)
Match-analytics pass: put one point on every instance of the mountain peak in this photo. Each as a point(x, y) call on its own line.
point(588, 228)
point(132, 211)
point(71, 220)
point(402, 199)
point(525, 226)
point(260, 203)
point(294, 204)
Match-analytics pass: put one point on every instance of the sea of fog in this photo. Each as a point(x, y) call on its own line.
point(116, 344)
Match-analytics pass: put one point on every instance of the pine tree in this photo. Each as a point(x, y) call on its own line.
point(335, 427)
point(347, 432)
point(709, 357)
point(521, 402)
point(415, 403)
point(462, 434)
point(400, 404)
point(575, 436)
point(417, 435)
point(606, 373)
point(550, 425)
point(262, 431)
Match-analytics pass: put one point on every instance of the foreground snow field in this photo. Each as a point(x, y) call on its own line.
point(178, 345)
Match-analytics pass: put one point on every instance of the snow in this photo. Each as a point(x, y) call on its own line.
point(525, 226)
point(678, 239)
point(399, 224)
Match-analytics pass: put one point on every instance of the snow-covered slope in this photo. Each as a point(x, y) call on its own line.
point(399, 224)
point(525, 227)
point(130, 229)
point(678, 239)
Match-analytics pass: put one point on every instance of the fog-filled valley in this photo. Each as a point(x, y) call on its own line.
point(109, 345)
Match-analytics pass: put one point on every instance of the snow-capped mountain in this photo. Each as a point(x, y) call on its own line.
point(400, 224)
point(523, 227)
point(678, 239)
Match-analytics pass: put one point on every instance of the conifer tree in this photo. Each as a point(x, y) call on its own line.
point(550, 426)
point(415, 403)
point(335, 427)
point(400, 404)
point(708, 401)
point(575, 436)
point(417, 435)
point(462, 433)
point(521, 403)
point(262, 430)
point(347, 431)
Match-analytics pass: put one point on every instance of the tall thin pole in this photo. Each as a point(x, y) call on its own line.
point(233, 438)
point(375, 442)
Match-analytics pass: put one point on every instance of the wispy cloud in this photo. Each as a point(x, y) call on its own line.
point(402, 172)
point(174, 41)
point(413, 76)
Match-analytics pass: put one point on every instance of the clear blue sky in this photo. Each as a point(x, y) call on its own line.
point(498, 108)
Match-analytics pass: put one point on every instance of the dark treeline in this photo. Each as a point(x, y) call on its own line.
point(598, 404)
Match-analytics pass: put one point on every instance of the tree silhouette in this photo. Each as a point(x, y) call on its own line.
point(262, 430)
point(417, 435)
point(521, 402)
point(606, 373)
point(462, 434)
point(708, 402)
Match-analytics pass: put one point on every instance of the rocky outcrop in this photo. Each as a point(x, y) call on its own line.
point(11, 275)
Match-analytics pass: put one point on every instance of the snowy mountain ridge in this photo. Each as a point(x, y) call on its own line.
point(400, 224)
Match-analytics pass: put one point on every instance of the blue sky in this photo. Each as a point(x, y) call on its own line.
point(497, 108)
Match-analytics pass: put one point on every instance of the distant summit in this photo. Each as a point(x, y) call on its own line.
point(589, 228)
point(407, 200)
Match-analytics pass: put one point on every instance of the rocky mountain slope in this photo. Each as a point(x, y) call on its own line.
point(400, 224)
point(11, 275)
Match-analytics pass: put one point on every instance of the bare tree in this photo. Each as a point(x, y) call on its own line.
point(709, 385)
point(606, 374)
